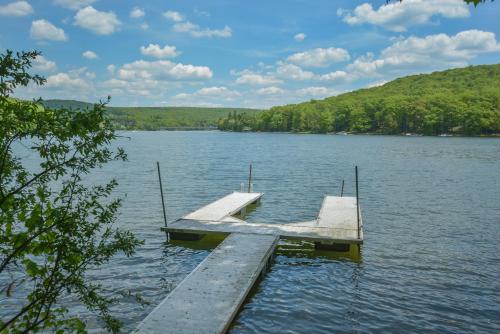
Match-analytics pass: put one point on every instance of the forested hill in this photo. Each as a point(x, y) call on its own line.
point(464, 101)
point(155, 118)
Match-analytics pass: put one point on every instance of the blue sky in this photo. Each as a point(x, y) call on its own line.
point(240, 53)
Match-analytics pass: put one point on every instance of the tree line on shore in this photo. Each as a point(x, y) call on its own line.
point(464, 101)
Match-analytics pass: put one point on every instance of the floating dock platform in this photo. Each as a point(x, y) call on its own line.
point(209, 298)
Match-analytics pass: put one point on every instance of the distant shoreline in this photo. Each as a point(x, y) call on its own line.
point(496, 135)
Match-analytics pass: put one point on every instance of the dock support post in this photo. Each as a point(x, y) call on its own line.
point(161, 192)
point(250, 178)
point(357, 198)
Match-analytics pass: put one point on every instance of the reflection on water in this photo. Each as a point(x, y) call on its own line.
point(431, 217)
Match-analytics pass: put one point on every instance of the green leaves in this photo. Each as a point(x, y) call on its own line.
point(53, 227)
point(463, 101)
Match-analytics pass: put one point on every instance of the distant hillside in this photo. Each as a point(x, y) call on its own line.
point(464, 101)
point(155, 118)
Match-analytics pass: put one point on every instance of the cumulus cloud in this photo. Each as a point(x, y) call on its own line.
point(111, 68)
point(198, 32)
point(42, 64)
point(155, 50)
point(217, 91)
point(319, 57)
point(89, 54)
point(17, 8)
point(300, 37)
point(430, 52)
point(208, 94)
point(272, 90)
point(399, 16)
point(163, 70)
point(74, 4)
point(137, 13)
point(173, 16)
point(335, 76)
point(44, 30)
point(293, 72)
point(316, 92)
point(100, 23)
point(184, 26)
point(256, 79)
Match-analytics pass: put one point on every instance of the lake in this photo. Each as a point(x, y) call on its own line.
point(431, 211)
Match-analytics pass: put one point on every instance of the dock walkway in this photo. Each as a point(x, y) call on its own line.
point(224, 207)
point(210, 297)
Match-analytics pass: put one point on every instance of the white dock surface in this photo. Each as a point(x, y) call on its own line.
point(336, 223)
point(210, 297)
point(226, 206)
point(338, 213)
point(289, 231)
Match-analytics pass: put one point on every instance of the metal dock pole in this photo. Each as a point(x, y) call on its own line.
point(250, 178)
point(161, 192)
point(357, 198)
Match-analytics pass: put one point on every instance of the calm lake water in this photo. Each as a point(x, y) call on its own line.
point(431, 208)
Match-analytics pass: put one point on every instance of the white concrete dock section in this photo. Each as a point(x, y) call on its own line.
point(210, 297)
point(224, 207)
point(288, 231)
point(339, 213)
point(336, 223)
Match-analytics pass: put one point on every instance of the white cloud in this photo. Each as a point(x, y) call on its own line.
point(399, 16)
point(144, 26)
point(152, 78)
point(44, 30)
point(293, 72)
point(101, 23)
point(377, 83)
point(210, 93)
point(300, 37)
point(316, 92)
point(155, 50)
point(42, 64)
point(17, 8)
point(218, 92)
point(319, 57)
point(89, 54)
point(201, 13)
point(250, 78)
point(163, 70)
point(195, 30)
point(173, 16)
point(181, 25)
point(66, 82)
point(272, 90)
point(74, 4)
point(335, 76)
point(430, 52)
point(215, 96)
point(137, 13)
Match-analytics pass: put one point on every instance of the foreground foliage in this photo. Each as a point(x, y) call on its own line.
point(53, 226)
point(463, 101)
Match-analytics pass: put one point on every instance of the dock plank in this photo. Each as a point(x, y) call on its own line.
point(338, 213)
point(289, 231)
point(210, 297)
point(225, 206)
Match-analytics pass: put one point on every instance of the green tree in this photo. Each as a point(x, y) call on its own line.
point(53, 226)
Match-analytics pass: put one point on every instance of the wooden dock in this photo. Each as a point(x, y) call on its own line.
point(210, 297)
